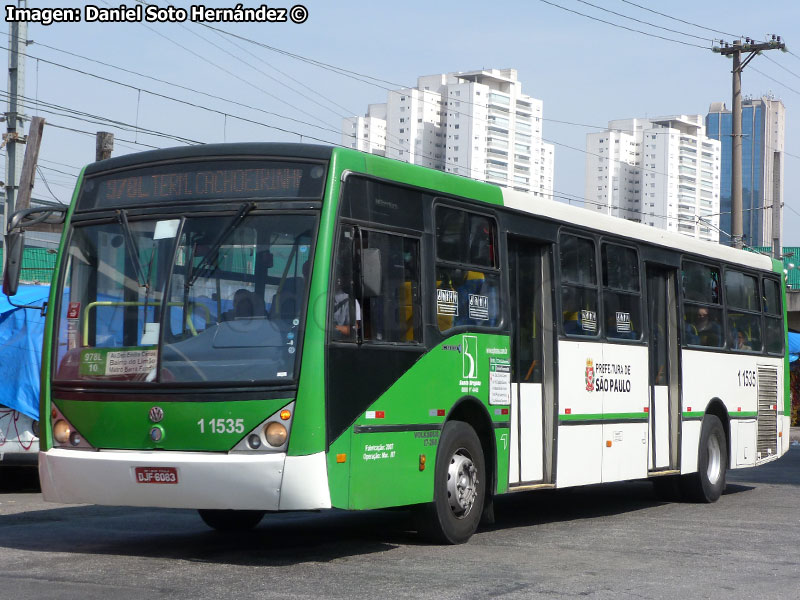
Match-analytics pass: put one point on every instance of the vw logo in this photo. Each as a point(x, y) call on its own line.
point(156, 414)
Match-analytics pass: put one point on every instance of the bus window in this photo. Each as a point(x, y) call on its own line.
point(702, 310)
point(744, 311)
point(579, 286)
point(393, 315)
point(773, 317)
point(468, 288)
point(465, 238)
point(622, 300)
point(346, 312)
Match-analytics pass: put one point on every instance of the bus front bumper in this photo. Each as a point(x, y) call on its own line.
point(204, 480)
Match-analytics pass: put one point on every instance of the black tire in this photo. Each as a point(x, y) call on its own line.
point(459, 487)
point(708, 483)
point(231, 520)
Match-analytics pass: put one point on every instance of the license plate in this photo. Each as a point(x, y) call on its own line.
point(156, 474)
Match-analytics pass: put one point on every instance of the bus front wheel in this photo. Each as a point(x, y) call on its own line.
point(231, 520)
point(708, 483)
point(459, 487)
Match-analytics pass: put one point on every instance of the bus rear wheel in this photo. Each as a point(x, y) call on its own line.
point(231, 520)
point(708, 483)
point(459, 487)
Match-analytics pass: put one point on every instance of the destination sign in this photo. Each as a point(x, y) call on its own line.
point(203, 181)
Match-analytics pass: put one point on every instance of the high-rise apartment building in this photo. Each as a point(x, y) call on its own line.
point(477, 124)
point(763, 132)
point(663, 172)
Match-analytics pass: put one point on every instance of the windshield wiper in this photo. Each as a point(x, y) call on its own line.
point(208, 264)
point(132, 247)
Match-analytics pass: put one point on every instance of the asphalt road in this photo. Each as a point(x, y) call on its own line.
point(614, 541)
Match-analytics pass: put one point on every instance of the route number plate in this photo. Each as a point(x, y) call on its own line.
point(156, 474)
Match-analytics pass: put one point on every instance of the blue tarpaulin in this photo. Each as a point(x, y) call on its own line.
point(21, 335)
point(794, 346)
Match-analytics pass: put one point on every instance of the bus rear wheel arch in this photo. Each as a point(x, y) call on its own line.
point(459, 493)
point(231, 520)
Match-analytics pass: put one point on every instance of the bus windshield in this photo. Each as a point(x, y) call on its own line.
point(193, 299)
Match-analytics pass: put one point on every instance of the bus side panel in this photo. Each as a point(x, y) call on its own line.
point(393, 451)
point(339, 460)
point(623, 377)
point(733, 379)
point(580, 412)
point(310, 407)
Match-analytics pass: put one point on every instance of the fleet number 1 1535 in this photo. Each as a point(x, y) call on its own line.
point(221, 425)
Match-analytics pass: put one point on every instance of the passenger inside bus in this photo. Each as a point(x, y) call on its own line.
point(741, 342)
point(286, 303)
point(245, 305)
point(342, 317)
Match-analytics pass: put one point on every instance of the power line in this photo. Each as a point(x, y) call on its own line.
point(352, 74)
point(733, 35)
point(94, 135)
point(165, 82)
point(96, 119)
point(47, 185)
point(661, 37)
point(642, 22)
point(278, 81)
point(224, 70)
point(775, 80)
point(792, 73)
point(52, 162)
point(186, 102)
point(57, 171)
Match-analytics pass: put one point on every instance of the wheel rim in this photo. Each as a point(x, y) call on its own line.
point(462, 483)
point(714, 459)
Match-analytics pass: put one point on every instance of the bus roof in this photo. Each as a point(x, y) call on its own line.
point(511, 198)
point(636, 231)
point(260, 149)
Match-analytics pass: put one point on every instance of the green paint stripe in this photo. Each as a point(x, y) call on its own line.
point(603, 417)
point(698, 414)
point(695, 414)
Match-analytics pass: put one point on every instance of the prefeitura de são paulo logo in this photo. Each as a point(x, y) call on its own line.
point(589, 375)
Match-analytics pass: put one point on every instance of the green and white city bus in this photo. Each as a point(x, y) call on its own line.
point(274, 327)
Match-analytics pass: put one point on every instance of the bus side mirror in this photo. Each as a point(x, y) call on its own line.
point(15, 242)
point(371, 273)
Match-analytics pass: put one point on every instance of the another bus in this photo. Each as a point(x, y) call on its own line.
point(276, 327)
point(21, 334)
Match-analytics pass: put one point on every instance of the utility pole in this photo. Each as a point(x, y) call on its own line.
point(735, 50)
point(777, 250)
point(104, 145)
point(15, 126)
point(29, 163)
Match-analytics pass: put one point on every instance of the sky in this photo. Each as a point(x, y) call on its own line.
point(167, 84)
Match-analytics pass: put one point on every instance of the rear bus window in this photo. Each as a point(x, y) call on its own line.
point(773, 317)
point(744, 311)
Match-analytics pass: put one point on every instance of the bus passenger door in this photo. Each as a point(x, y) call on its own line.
point(530, 459)
point(664, 422)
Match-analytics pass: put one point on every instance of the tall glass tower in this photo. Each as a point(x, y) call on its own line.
point(763, 122)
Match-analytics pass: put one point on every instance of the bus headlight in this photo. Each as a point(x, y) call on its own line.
point(276, 434)
point(61, 431)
